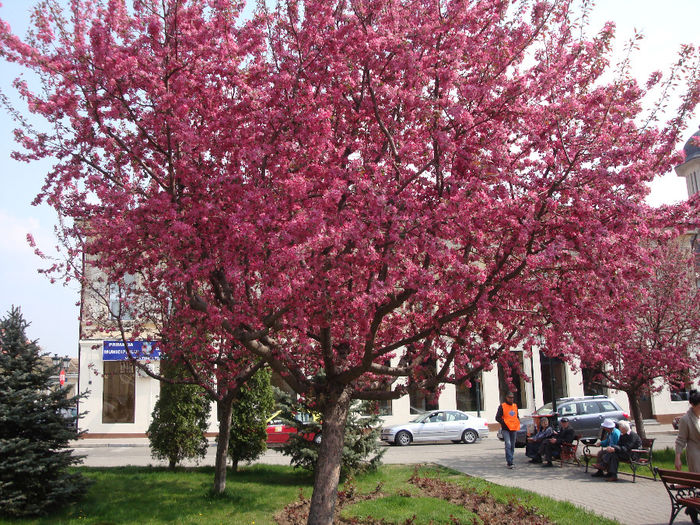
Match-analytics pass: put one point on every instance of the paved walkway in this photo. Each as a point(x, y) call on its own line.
point(642, 503)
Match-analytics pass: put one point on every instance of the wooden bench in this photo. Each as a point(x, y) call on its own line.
point(569, 452)
point(641, 457)
point(683, 488)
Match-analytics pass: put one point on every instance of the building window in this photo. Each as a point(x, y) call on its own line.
point(385, 407)
point(378, 407)
point(117, 292)
point(423, 402)
point(518, 387)
point(471, 399)
point(590, 386)
point(679, 395)
point(553, 372)
point(679, 388)
point(119, 392)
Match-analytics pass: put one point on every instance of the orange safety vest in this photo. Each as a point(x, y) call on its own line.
point(510, 416)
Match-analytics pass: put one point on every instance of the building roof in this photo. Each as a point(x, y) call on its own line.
point(692, 147)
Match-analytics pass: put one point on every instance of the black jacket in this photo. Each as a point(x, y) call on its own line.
point(565, 436)
point(626, 444)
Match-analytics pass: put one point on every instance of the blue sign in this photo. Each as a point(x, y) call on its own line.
point(116, 351)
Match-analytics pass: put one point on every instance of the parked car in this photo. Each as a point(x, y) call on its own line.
point(585, 416)
point(437, 425)
point(71, 417)
point(278, 430)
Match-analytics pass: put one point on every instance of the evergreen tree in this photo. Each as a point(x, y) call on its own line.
point(361, 447)
point(179, 419)
point(251, 411)
point(34, 432)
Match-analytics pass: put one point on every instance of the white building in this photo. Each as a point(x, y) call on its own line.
point(121, 398)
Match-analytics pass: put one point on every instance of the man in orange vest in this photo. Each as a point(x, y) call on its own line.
point(507, 416)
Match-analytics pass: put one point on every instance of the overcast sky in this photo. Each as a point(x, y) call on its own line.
point(52, 308)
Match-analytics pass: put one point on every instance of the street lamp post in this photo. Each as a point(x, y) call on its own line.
point(62, 363)
point(554, 394)
point(478, 396)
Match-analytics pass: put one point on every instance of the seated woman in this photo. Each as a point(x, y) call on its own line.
point(610, 436)
point(533, 446)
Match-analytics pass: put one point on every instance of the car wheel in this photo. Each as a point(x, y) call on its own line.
point(317, 439)
point(469, 436)
point(403, 438)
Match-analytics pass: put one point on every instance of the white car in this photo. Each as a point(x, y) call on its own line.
point(438, 425)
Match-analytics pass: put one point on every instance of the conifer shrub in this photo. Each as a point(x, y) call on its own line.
point(251, 411)
point(36, 424)
point(179, 420)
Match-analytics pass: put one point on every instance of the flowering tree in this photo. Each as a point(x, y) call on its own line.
point(357, 192)
point(644, 334)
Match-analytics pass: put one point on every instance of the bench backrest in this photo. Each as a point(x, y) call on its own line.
point(648, 443)
point(691, 479)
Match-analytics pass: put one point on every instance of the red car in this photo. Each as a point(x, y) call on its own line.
point(278, 431)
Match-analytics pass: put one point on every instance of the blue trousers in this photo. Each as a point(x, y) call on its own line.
point(509, 440)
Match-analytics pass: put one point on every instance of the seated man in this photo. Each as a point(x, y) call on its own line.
point(552, 446)
point(612, 454)
point(532, 448)
point(609, 438)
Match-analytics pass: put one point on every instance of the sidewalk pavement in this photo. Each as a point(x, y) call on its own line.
point(642, 503)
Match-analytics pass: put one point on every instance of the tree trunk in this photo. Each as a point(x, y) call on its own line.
point(327, 474)
point(636, 413)
point(172, 463)
point(224, 409)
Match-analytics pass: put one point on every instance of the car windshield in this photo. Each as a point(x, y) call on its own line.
point(545, 410)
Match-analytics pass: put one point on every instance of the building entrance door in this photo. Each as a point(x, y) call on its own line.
point(645, 406)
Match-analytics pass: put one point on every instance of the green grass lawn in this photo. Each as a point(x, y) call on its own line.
point(147, 495)
point(157, 495)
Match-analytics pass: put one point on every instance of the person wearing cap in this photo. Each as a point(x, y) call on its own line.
point(552, 445)
point(507, 416)
point(610, 437)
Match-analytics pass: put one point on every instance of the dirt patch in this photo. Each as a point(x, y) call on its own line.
point(296, 513)
point(482, 504)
